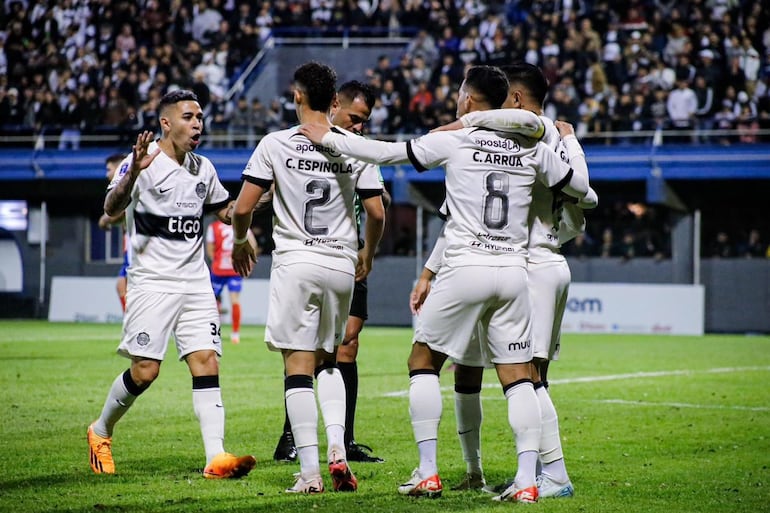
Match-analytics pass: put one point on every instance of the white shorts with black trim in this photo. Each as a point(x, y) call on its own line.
point(152, 317)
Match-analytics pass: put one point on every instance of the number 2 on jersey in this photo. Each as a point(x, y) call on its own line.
point(496, 200)
point(314, 188)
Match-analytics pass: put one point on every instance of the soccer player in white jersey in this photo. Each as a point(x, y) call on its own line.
point(350, 111)
point(315, 264)
point(552, 222)
point(489, 179)
point(165, 189)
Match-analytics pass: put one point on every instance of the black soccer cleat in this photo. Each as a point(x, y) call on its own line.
point(361, 452)
point(285, 450)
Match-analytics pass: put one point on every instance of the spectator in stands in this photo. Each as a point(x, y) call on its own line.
point(747, 126)
point(580, 247)
point(48, 114)
point(721, 247)
point(378, 119)
point(725, 120)
point(71, 122)
point(423, 45)
point(12, 111)
point(703, 112)
point(607, 246)
point(753, 247)
point(241, 129)
point(682, 104)
point(205, 22)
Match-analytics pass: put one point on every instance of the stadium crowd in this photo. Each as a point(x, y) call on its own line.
point(71, 68)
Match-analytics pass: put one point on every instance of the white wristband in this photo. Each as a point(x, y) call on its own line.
point(240, 241)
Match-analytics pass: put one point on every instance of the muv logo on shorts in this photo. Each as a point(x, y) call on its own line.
point(172, 228)
point(518, 346)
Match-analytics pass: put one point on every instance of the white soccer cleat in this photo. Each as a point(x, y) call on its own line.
point(513, 494)
point(417, 486)
point(548, 488)
point(311, 485)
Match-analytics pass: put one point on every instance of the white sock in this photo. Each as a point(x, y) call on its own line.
point(524, 418)
point(118, 401)
point(551, 455)
point(469, 415)
point(331, 398)
point(207, 403)
point(303, 415)
point(425, 410)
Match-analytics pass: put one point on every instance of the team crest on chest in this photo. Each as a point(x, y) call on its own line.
point(200, 190)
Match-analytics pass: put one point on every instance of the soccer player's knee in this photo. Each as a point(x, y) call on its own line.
point(144, 372)
point(420, 358)
point(348, 351)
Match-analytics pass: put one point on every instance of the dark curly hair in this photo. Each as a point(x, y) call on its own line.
point(318, 81)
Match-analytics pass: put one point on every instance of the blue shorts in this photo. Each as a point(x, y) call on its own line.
point(233, 283)
point(124, 268)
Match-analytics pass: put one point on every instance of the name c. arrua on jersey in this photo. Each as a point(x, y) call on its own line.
point(497, 159)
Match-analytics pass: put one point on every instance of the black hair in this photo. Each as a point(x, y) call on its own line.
point(353, 89)
point(489, 82)
point(318, 81)
point(115, 157)
point(529, 76)
point(174, 97)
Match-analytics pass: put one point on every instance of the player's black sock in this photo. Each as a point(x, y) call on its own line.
point(349, 371)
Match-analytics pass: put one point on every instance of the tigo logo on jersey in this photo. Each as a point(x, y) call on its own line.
point(173, 228)
point(190, 227)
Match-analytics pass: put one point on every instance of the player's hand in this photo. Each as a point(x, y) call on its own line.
point(141, 160)
point(564, 128)
point(364, 265)
point(104, 222)
point(454, 125)
point(418, 295)
point(314, 131)
point(244, 256)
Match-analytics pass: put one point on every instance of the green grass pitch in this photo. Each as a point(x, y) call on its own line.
point(649, 423)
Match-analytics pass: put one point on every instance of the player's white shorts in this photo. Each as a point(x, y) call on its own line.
point(151, 317)
point(548, 288)
point(462, 296)
point(308, 307)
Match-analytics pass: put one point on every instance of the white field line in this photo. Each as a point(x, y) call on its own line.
point(683, 405)
point(613, 377)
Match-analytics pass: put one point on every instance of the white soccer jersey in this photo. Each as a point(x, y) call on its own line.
point(545, 213)
point(489, 179)
point(164, 222)
point(551, 223)
point(314, 198)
